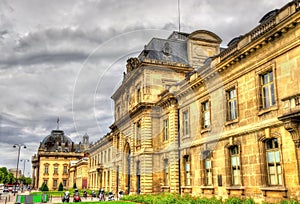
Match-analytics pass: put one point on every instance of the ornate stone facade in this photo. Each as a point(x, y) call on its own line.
point(52, 162)
point(100, 166)
point(192, 117)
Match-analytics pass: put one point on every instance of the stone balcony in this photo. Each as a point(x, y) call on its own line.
point(291, 117)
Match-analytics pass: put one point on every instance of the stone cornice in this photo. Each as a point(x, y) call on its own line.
point(132, 113)
point(130, 77)
point(227, 134)
point(167, 100)
point(237, 54)
point(103, 141)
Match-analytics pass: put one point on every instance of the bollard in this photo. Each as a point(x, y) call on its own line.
point(18, 199)
point(5, 200)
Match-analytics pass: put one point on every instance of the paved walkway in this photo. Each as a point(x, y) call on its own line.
point(10, 198)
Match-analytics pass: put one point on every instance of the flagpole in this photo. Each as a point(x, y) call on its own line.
point(58, 123)
point(178, 5)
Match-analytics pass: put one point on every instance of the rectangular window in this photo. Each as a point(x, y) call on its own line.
point(205, 114)
point(105, 156)
point(55, 169)
point(187, 170)
point(231, 104)
point(118, 141)
point(118, 112)
point(65, 171)
point(138, 132)
point(185, 122)
point(235, 165)
point(46, 170)
point(108, 155)
point(46, 182)
point(273, 162)
point(166, 172)
point(139, 95)
point(64, 183)
point(208, 172)
point(267, 90)
point(55, 183)
point(166, 129)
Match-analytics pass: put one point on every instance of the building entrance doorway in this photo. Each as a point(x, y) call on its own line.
point(127, 160)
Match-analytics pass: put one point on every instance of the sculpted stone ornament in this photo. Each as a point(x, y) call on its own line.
point(167, 50)
point(132, 63)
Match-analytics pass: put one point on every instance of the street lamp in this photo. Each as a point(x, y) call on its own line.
point(24, 160)
point(19, 149)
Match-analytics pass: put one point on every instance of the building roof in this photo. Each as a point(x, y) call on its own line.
point(54, 140)
point(166, 50)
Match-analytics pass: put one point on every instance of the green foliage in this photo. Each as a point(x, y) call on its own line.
point(28, 180)
point(60, 187)
point(249, 201)
point(170, 198)
point(74, 186)
point(233, 200)
point(25, 180)
point(44, 187)
point(289, 202)
point(5, 176)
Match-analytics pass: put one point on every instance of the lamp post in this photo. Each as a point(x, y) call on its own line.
point(19, 149)
point(24, 160)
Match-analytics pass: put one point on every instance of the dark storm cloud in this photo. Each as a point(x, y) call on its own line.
point(46, 57)
point(64, 58)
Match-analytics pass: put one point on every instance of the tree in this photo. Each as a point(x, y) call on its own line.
point(28, 180)
point(6, 177)
point(10, 178)
point(74, 186)
point(25, 180)
point(60, 187)
point(44, 187)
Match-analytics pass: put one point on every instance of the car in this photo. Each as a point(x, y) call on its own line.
point(5, 189)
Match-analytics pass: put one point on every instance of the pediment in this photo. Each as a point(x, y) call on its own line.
point(204, 35)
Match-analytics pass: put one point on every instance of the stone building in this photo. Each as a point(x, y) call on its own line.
point(78, 173)
point(52, 162)
point(192, 117)
point(100, 166)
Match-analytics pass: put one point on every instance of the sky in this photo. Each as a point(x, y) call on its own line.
point(64, 59)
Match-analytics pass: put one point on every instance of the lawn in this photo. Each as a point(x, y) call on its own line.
point(111, 202)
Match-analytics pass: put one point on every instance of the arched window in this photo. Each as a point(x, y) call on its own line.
point(208, 181)
point(187, 169)
point(235, 165)
point(273, 162)
point(166, 172)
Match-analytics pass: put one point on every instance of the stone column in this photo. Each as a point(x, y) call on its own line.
point(293, 126)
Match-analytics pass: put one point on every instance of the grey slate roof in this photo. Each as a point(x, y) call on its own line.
point(166, 50)
point(56, 136)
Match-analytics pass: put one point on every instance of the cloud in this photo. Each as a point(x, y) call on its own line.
point(65, 58)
